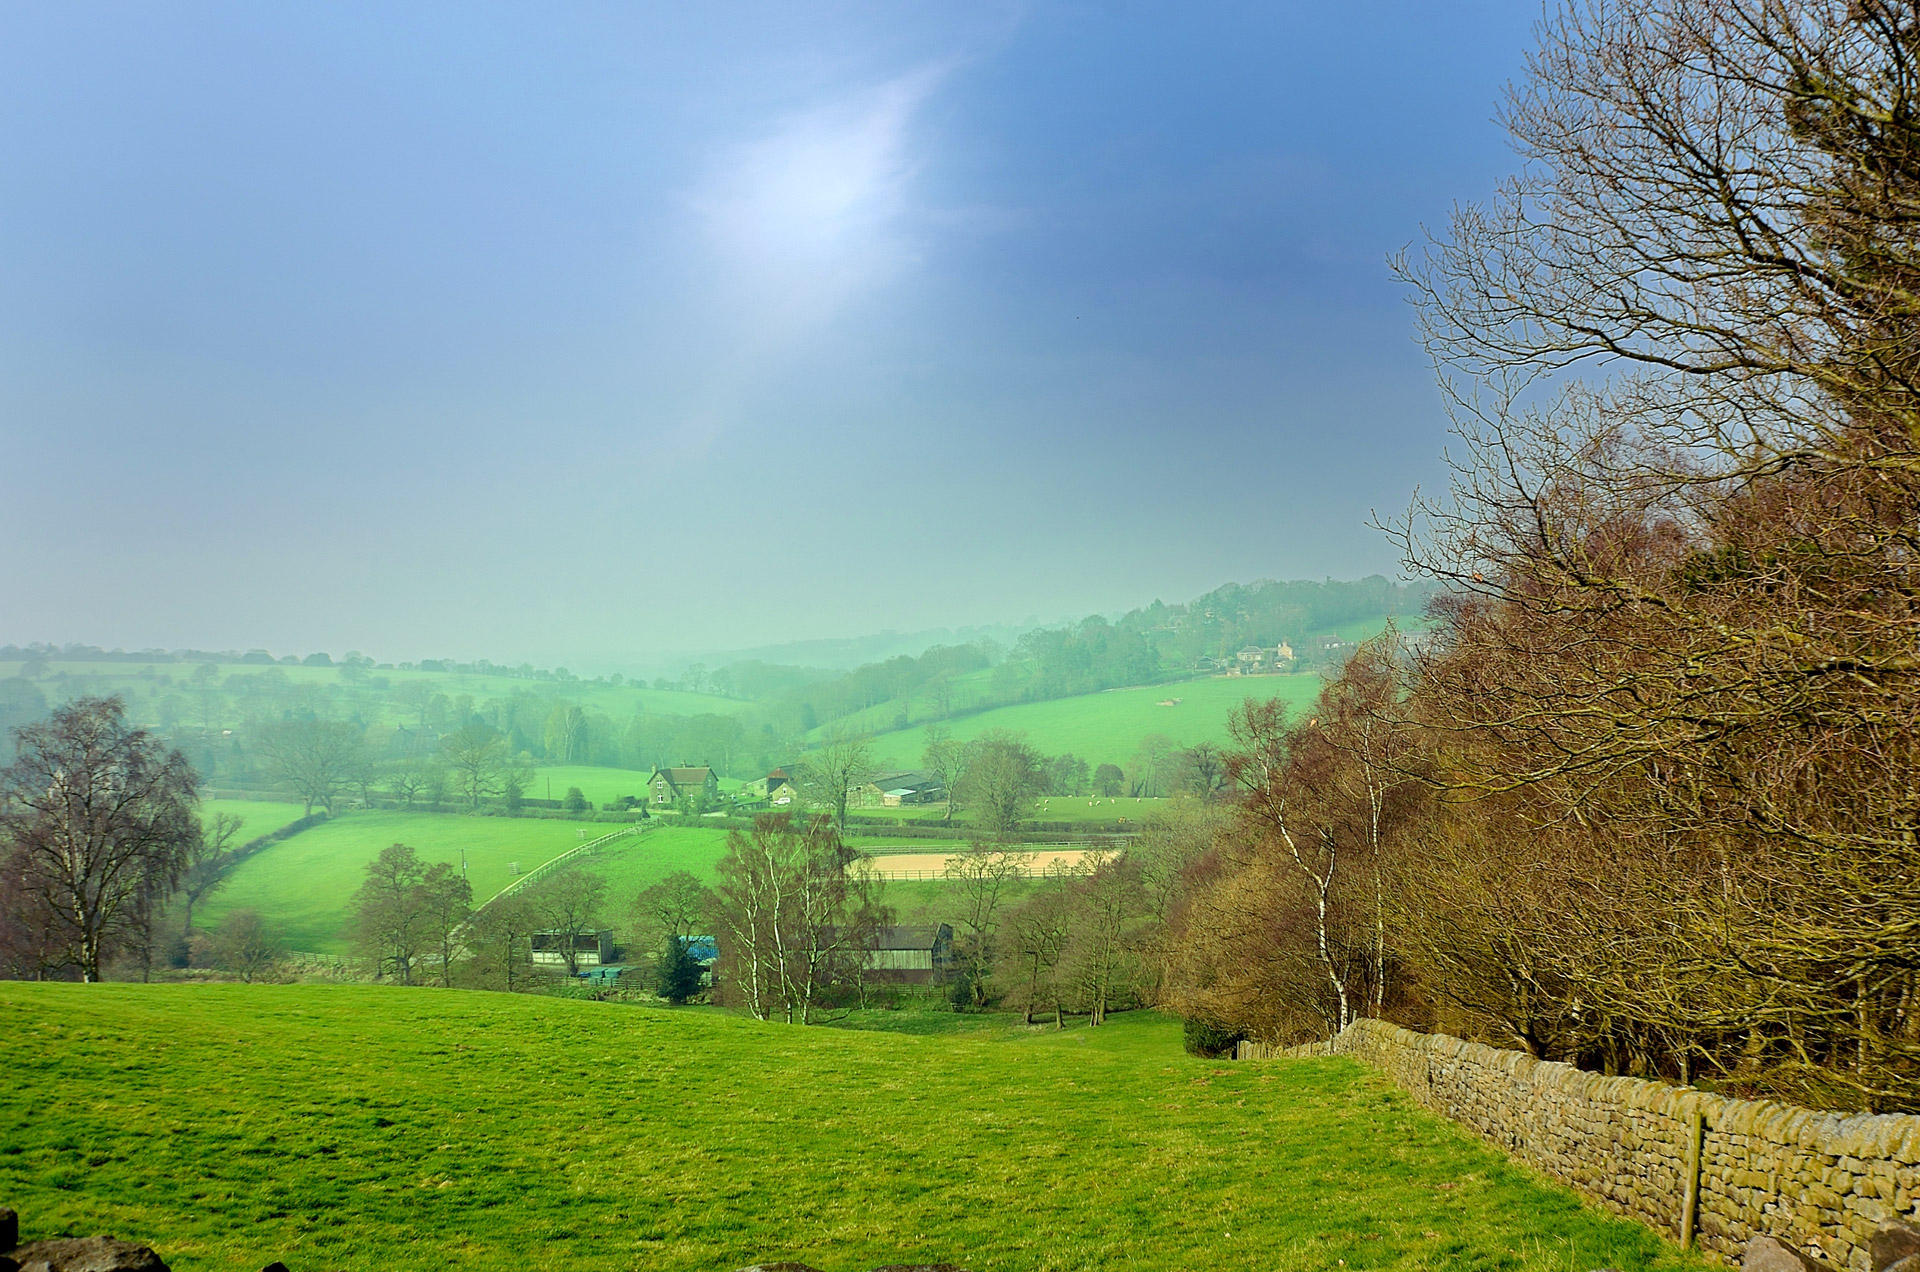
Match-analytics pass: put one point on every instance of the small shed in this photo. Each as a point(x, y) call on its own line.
point(590, 949)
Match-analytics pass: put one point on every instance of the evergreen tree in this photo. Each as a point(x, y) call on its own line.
point(679, 974)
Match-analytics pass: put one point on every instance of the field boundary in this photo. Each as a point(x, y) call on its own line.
point(1692, 1165)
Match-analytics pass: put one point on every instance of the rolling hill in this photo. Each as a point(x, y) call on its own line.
point(372, 1127)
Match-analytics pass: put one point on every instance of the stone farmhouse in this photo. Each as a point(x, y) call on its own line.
point(1261, 660)
point(670, 785)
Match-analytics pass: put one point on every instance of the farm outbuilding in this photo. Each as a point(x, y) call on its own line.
point(895, 790)
point(590, 949)
point(913, 954)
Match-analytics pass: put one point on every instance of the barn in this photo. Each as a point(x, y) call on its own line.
point(912, 954)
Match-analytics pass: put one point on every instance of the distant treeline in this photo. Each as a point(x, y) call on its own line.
point(219, 707)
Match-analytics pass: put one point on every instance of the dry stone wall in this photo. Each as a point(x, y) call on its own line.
point(1819, 1182)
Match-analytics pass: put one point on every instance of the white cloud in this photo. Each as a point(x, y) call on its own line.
point(809, 214)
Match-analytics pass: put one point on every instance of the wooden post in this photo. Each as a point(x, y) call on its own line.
point(1690, 1203)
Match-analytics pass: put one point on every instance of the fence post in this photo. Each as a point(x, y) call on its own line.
point(1690, 1203)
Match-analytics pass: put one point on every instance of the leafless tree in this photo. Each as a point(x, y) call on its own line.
point(207, 863)
point(840, 765)
point(315, 758)
point(99, 821)
point(981, 877)
point(797, 912)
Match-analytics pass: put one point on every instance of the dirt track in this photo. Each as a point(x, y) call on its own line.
point(933, 864)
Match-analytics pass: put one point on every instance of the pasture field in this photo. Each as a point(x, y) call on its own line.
point(628, 865)
point(257, 817)
point(302, 886)
point(599, 785)
point(1105, 728)
point(642, 860)
point(375, 1127)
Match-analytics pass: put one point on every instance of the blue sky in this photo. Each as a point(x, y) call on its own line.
point(579, 332)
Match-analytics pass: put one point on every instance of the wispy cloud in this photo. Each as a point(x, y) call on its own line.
point(809, 214)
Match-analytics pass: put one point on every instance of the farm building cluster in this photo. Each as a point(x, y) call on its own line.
point(908, 954)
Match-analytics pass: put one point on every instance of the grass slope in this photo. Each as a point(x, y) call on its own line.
point(1105, 727)
point(599, 785)
point(257, 816)
point(629, 865)
point(302, 886)
point(363, 1127)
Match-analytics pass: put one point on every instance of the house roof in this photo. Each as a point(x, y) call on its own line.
point(684, 776)
point(921, 936)
point(909, 781)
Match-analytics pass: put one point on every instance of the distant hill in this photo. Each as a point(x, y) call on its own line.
point(743, 717)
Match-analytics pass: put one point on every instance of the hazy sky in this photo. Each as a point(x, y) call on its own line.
point(578, 331)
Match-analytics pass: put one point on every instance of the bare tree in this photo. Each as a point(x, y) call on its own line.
point(677, 907)
point(317, 759)
point(840, 765)
point(568, 903)
point(241, 946)
point(1040, 927)
point(100, 820)
point(207, 863)
point(476, 754)
point(981, 877)
point(1003, 775)
point(797, 912)
point(946, 759)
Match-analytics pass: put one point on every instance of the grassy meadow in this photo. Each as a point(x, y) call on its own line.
point(302, 886)
point(640, 861)
point(599, 785)
point(363, 1127)
point(257, 816)
point(1106, 727)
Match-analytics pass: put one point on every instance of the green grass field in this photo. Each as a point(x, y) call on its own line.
point(302, 886)
point(366, 1127)
point(257, 816)
point(629, 865)
point(1106, 727)
point(599, 785)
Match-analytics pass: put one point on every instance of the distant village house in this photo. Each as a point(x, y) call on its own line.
point(670, 785)
point(776, 789)
point(1261, 660)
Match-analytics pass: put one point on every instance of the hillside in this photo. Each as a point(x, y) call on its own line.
point(302, 886)
point(1105, 727)
point(365, 1127)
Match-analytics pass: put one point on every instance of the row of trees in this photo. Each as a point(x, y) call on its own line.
point(1645, 799)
